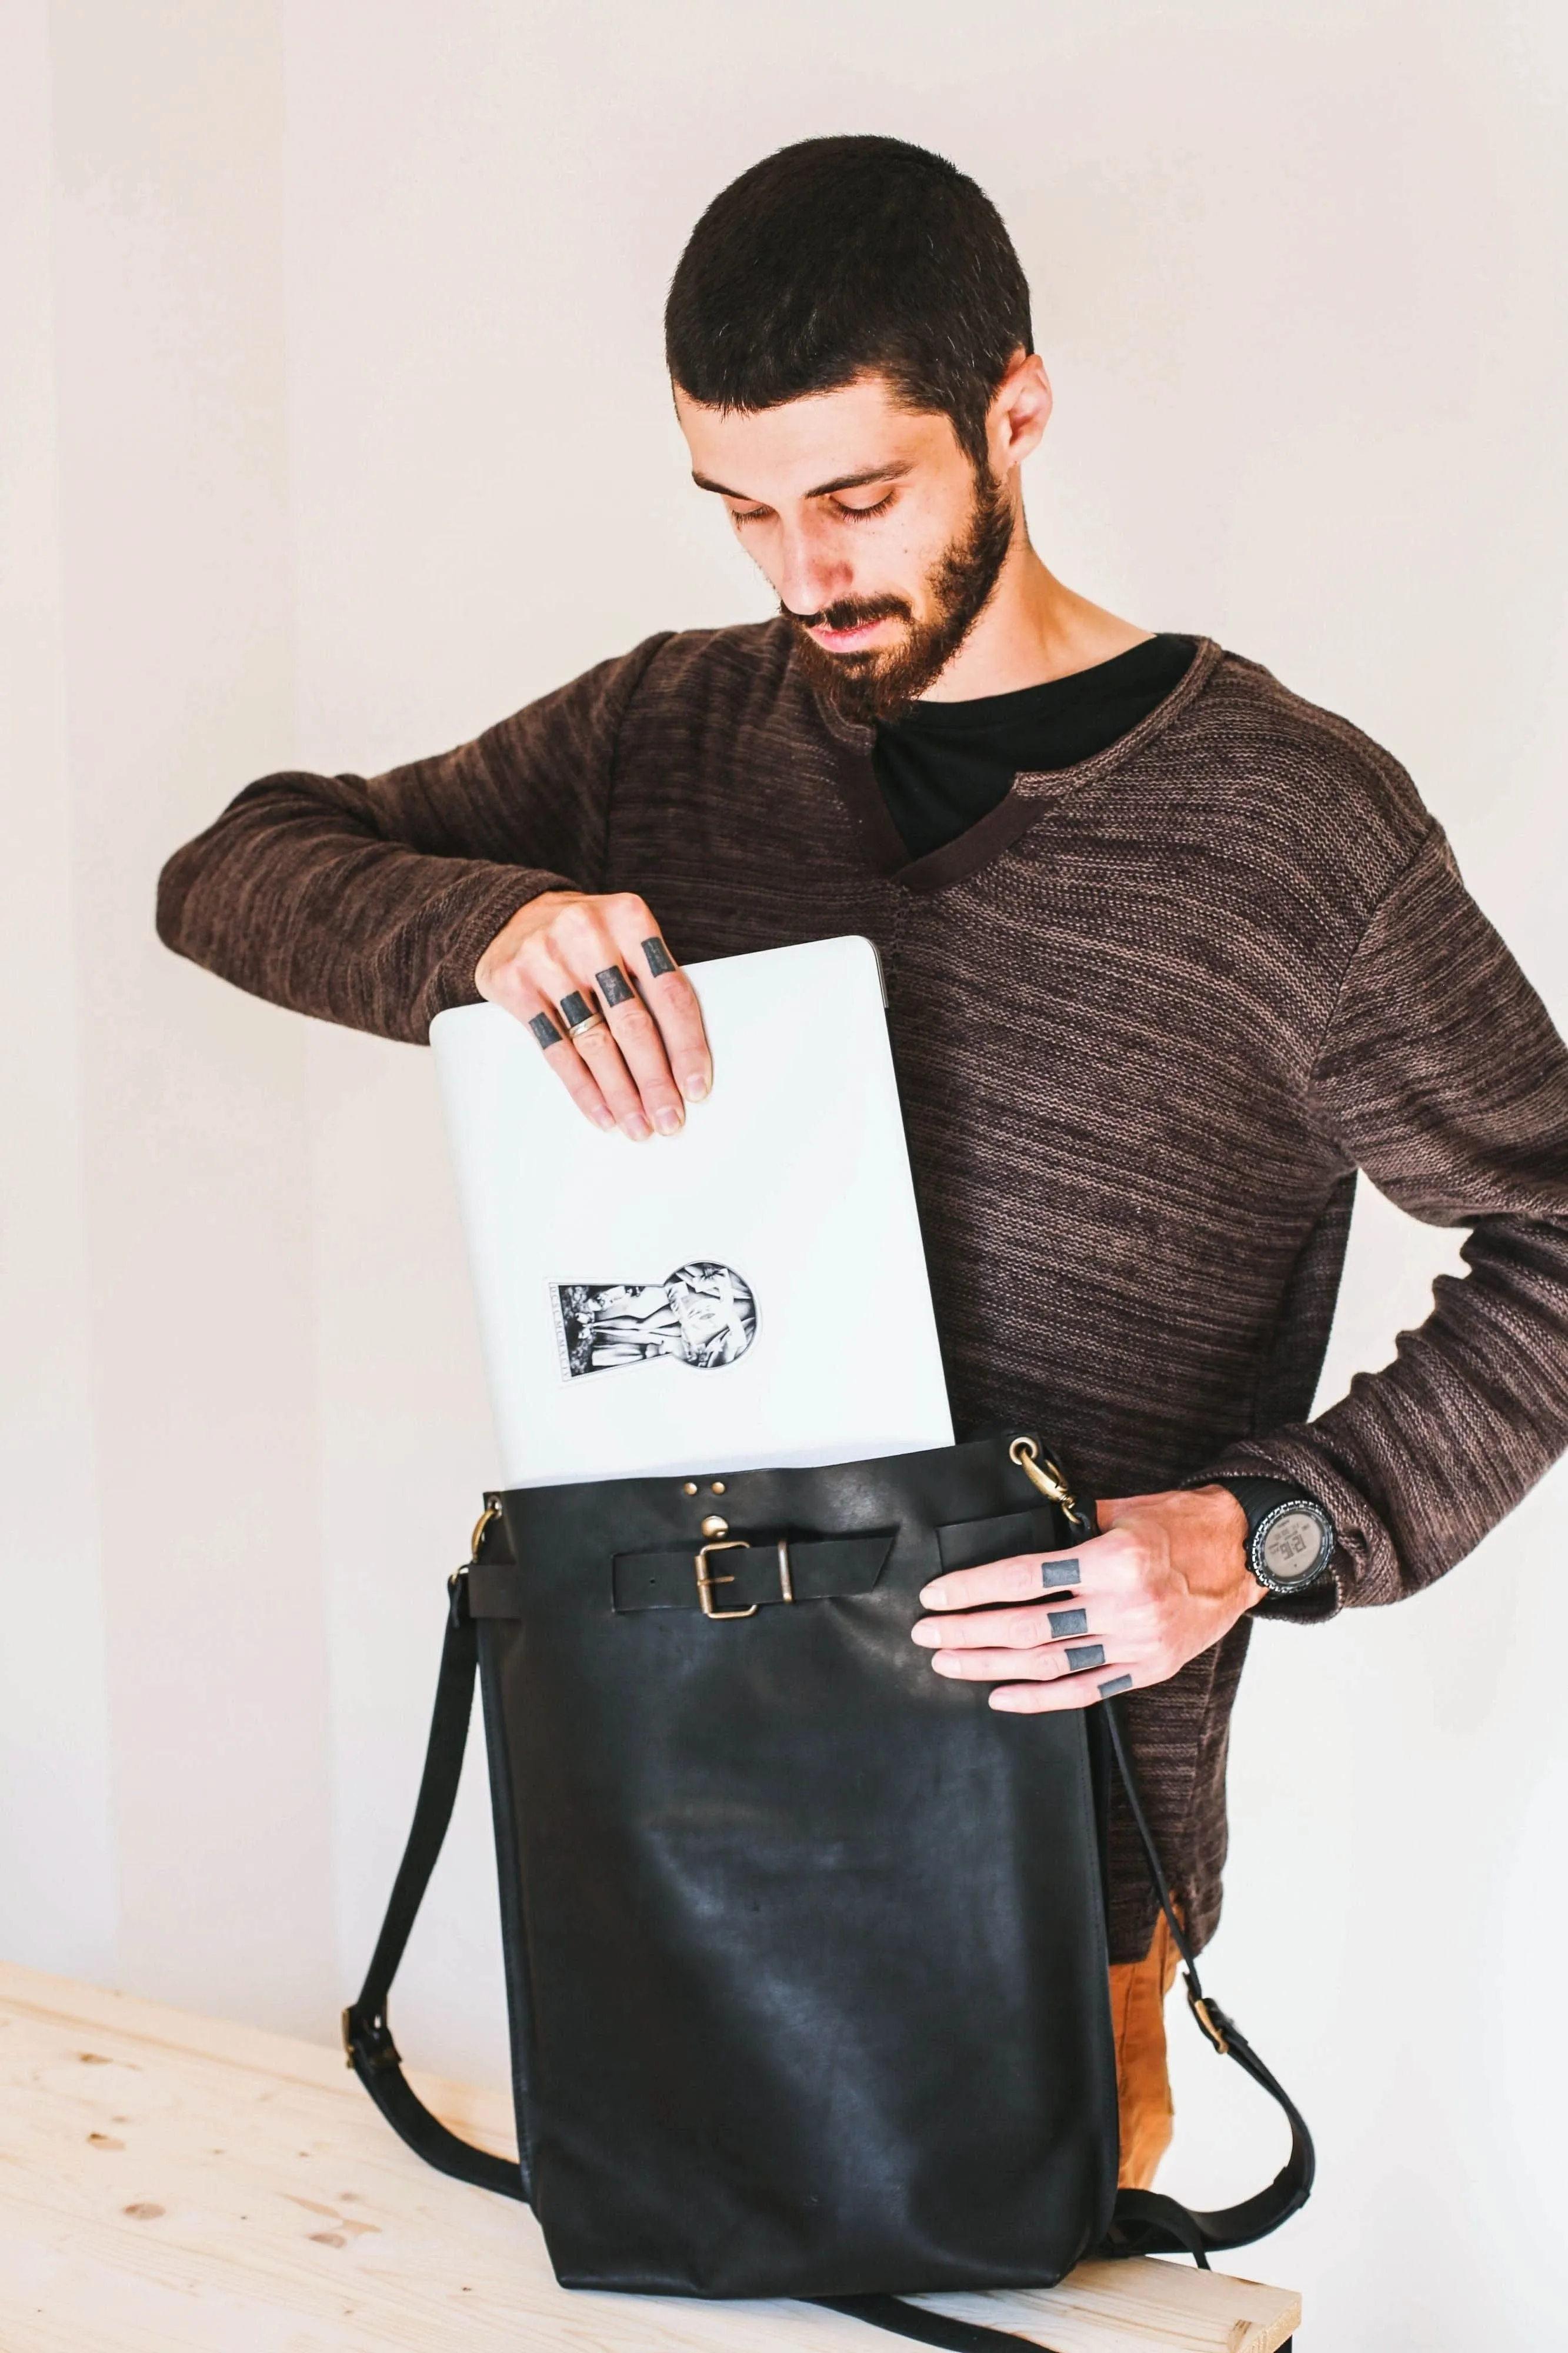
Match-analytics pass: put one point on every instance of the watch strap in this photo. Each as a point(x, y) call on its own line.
point(1258, 1496)
point(1264, 1500)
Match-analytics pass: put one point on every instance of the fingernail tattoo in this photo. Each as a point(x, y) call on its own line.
point(1114, 1684)
point(656, 958)
point(576, 1007)
point(613, 985)
point(544, 1030)
point(1089, 1654)
point(1056, 1574)
point(1067, 1621)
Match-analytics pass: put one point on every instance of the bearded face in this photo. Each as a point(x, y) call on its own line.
point(882, 683)
point(883, 534)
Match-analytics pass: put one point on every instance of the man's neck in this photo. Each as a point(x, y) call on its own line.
point(1032, 630)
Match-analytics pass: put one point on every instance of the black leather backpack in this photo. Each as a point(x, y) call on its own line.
point(804, 1944)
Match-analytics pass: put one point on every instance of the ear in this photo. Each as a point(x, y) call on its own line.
point(1020, 412)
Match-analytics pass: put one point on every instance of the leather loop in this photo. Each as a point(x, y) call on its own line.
point(970, 1544)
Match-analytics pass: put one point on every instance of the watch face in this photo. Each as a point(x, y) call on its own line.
point(1290, 1543)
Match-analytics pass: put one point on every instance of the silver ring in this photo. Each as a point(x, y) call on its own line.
point(575, 1030)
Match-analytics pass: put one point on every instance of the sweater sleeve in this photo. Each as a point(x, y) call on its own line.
point(371, 902)
point(1441, 1076)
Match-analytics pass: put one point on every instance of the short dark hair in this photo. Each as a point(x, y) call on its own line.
point(846, 256)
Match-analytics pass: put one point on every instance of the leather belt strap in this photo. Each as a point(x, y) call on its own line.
point(818, 1567)
point(752, 1572)
point(746, 1573)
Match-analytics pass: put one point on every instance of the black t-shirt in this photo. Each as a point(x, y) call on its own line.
point(944, 764)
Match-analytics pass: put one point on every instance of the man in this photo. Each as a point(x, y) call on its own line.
point(1170, 954)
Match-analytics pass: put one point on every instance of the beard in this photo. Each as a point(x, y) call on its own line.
point(881, 684)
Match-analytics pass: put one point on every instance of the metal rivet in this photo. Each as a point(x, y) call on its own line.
point(718, 1486)
point(689, 1487)
point(714, 1527)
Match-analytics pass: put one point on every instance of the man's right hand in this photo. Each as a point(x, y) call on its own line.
point(565, 955)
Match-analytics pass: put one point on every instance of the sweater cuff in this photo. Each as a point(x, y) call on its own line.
point(1299, 1468)
point(469, 914)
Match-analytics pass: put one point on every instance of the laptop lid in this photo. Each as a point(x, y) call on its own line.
point(750, 1293)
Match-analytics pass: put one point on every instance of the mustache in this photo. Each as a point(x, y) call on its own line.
point(852, 613)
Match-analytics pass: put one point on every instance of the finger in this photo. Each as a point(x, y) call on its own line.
point(1049, 1662)
point(589, 1060)
point(595, 1049)
point(583, 940)
point(1022, 1576)
point(602, 1056)
point(1057, 1698)
point(641, 1042)
point(1013, 1630)
point(512, 989)
point(665, 990)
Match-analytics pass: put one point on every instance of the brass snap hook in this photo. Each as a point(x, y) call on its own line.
point(492, 1510)
point(1043, 1475)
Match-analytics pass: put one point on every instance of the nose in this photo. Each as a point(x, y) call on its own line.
point(810, 574)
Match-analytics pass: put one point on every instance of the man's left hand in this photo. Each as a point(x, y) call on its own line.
point(1166, 1577)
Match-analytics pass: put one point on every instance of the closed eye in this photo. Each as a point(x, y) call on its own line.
point(864, 514)
point(845, 515)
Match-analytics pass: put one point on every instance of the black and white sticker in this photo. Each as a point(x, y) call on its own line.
point(703, 1315)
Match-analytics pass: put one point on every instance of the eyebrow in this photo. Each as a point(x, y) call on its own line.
point(894, 473)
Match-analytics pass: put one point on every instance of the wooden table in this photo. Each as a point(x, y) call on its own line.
point(171, 2182)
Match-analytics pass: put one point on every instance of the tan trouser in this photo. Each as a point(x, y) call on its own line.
point(1138, 1990)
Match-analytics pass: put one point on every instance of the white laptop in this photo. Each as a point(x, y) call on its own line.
point(751, 1291)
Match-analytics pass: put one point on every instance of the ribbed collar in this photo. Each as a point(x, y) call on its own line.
point(1031, 795)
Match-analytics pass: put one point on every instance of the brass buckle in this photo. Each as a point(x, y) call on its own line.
point(706, 1580)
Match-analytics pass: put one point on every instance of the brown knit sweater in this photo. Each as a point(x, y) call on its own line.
point(1150, 1015)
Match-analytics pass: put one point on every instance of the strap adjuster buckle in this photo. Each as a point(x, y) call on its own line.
point(707, 1580)
point(1209, 2017)
point(369, 2038)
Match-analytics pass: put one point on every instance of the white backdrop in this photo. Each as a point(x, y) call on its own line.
point(332, 427)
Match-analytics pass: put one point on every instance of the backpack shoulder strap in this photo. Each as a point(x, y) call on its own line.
point(367, 2038)
point(1145, 2221)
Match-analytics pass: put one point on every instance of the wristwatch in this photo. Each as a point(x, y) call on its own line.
point(1289, 1537)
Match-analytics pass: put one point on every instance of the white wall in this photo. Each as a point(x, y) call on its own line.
point(334, 426)
point(166, 1645)
point(56, 1845)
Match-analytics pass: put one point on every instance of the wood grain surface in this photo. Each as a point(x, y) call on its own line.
point(176, 2184)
